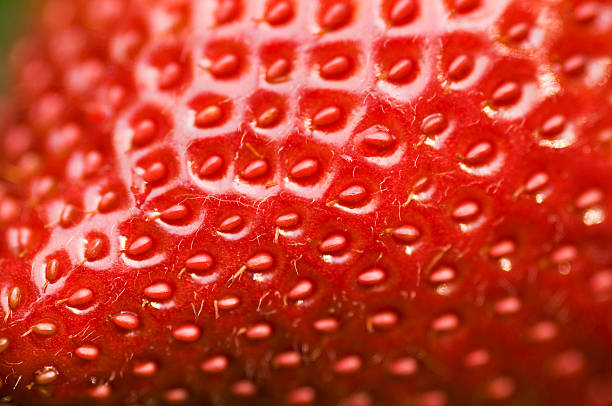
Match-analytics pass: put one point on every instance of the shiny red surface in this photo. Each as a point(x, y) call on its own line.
point(426, 221)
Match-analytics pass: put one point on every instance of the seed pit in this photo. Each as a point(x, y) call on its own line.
point(335, 16)
point(210, 110)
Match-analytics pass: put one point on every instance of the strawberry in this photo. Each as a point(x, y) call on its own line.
point(330, 202)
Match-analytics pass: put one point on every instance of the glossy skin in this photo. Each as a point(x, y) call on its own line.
point(370, 203)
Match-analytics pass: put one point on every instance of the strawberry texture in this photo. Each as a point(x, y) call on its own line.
point(314, 202)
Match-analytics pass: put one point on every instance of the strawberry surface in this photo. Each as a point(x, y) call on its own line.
point(330, 202)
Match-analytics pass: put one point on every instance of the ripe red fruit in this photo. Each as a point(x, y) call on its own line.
point(330, 202)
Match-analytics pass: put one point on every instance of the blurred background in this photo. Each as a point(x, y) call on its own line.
point(12, 20)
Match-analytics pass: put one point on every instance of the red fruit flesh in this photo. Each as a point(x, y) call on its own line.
point(330, 202)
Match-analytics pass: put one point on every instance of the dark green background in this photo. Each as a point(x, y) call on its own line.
point(12, 21)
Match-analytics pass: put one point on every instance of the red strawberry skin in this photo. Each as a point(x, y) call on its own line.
point(326, 202)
